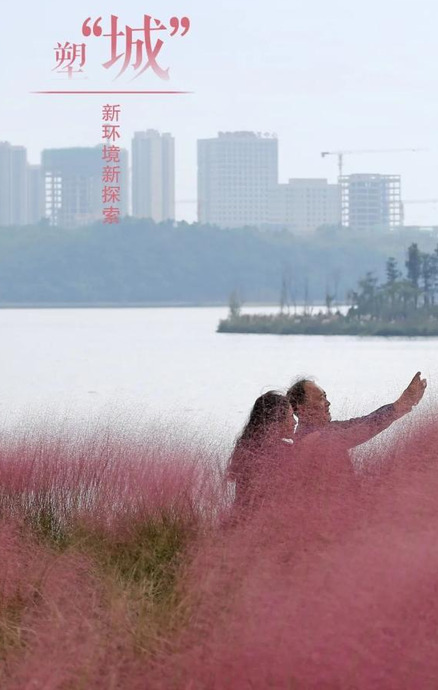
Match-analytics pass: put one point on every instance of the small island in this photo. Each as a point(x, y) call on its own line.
point(402, 305)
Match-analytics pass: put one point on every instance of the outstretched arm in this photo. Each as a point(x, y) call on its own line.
point(353, 432)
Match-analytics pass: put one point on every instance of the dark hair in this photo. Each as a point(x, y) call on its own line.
point(270, 408)
point(296, 394)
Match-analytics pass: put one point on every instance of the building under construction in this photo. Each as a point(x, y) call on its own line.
point(73, 185)
point(371, 202)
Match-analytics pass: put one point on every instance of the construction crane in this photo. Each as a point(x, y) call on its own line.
point(341, 154)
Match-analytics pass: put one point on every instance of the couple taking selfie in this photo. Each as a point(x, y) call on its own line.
point(281, 428)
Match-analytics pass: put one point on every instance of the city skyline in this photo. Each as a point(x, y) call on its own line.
point(238, 186)
point(186, 207)
point(328, 78)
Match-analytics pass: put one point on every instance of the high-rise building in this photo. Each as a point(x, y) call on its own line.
point(371, 201)
point(73, 185)
point(303, 205)
point(13, 184)
point(35, 194)
point(153, 175)
point(236, 172)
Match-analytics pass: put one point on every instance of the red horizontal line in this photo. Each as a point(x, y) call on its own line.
point(114, 92)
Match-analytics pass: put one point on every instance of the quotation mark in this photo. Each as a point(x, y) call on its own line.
point(175, 23)
point(96, 30)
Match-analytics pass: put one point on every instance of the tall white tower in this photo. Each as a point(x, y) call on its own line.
point(153, 175)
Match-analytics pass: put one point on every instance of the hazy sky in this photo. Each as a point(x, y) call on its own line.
point(322, 75)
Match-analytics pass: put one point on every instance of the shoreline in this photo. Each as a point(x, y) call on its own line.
point(325, 326)
point(124, 305)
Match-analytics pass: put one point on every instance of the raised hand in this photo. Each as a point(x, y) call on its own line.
point(412, 395)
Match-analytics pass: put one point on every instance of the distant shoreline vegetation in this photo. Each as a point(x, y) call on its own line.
point(141, 263)
point(402, 305)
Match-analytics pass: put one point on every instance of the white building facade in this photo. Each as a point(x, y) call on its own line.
point(303, 205)
point(236, 173)
point(13, 185)
point(153, 176)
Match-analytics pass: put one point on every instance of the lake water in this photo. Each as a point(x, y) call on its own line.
point(170, 365)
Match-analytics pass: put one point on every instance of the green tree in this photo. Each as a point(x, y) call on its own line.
point(434, 261)
point(285, 293)
point(365, 301)
point(413, 266)
point(235, 305)
point(392, 272)
point(428, 270)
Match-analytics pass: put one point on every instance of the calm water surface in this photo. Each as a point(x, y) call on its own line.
point(171, 365)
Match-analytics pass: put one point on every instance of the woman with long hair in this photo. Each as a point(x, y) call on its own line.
point(262, 444)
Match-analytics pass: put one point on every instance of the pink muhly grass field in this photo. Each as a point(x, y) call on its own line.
point(332, 583)
point(92, 534)
point(123, 567)
point(105, 482)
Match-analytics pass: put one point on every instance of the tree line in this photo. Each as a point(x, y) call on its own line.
point(140, 262)
point(403, 295)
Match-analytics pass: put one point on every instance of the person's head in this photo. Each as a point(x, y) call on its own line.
point(270, 417)
point(309, 402)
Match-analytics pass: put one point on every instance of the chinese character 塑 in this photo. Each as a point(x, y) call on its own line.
point(68, 55)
